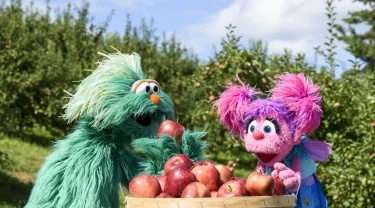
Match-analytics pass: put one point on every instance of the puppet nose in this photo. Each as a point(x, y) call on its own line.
point(155, 99)
point(258, 135)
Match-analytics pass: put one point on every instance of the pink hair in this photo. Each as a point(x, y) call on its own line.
point(232, 104)
point(302, 98)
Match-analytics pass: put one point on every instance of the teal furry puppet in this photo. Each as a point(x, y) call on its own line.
point(118, 113)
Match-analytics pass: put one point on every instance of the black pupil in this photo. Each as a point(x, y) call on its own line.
point(148, 89)
point(267, 129)
point(156, 88)
point(252, 128)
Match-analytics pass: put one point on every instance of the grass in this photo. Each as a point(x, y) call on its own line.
point(20, 162)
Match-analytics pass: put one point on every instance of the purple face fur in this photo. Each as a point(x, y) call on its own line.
point(268, 131)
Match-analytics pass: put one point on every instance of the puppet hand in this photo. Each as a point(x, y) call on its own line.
point(193, 146)
point(289, 178)
point(156, 149)
point(154, 153)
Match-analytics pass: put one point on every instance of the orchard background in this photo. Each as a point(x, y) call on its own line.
point(41, 59)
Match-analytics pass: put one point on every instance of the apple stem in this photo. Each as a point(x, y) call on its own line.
point(230, 187)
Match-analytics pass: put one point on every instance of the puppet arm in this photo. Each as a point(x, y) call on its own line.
point(155, 152)
point(291, 178)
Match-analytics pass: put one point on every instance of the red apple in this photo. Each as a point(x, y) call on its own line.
point(232, 189)
point(171, 128)
point(164, 195)
point(208, 175)
point(161, 178)
point(279, 187)
point(144, 186)
point(195, 190)
point(178, 161)
point(259, 184)
point(225, 173)
point(177, 180)
point(239, 179)
point(204, 163)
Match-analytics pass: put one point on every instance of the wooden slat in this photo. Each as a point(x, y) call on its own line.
point(232, 202)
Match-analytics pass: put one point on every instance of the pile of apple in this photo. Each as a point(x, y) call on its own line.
point(184, 179)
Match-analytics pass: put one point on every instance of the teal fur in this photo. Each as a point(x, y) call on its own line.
point(108, 147)
point(192, 146)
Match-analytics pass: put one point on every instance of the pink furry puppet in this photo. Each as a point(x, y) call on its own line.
point(276, 129)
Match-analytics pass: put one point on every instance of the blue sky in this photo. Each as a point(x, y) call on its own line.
point(296, 25)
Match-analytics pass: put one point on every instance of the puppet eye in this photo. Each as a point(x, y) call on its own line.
point(252, 126)
point(154, 87)
point(144, 87)
point(268, 127)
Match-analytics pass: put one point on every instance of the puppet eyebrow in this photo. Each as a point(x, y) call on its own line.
point(277, 126)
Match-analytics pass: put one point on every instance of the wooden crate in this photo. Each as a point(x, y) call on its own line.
point(227, 202)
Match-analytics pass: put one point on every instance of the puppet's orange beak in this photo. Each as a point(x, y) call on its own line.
point(155, 99)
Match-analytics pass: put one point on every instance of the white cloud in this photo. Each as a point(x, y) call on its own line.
point(298, 25)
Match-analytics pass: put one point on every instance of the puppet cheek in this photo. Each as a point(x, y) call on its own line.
point(272, 137)
point(248, 141)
